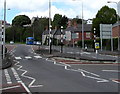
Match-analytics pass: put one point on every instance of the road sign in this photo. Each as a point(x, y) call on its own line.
point(106, 33)
point(97, 45)
point(118, 7)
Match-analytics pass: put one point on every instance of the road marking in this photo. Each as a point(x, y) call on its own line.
point(23, 75)
point(89, 72)
point(26, 88)
point(37, 57)
point(16, 75)
point(116, 81)
point(83, 74)
point(70, 52)
point(28, 57)
point(18, 58)
point(111, 70)
point(10, 87)
point(86, 53)
point(7, 77)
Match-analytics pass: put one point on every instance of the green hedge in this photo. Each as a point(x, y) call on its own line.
point(106, 43)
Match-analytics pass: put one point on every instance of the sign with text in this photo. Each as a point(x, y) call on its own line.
point(105, 31)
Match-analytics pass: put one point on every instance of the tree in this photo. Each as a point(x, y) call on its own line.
point(105, 15)
point(38, 26)
point(64, 21)
point(57, 20)
point(21, 20)
point(77, 20)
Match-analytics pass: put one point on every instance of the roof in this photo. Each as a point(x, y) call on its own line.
point(116, 24)
point(87, 28)
point(53, 32)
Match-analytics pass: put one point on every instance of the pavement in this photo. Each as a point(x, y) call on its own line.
point(7, 62)
point(56, 53)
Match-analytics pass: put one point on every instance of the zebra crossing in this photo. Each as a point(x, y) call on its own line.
point(28, 57)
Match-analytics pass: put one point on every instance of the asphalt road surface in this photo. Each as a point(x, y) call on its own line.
point(34, 73)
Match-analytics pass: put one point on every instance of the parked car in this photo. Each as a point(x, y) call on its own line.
point(38, 43)
point(11, 42)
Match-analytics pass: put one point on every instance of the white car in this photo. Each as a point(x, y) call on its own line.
point(11, 42)
point(38, 43)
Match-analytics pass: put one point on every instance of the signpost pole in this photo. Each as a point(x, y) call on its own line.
point(111, 39)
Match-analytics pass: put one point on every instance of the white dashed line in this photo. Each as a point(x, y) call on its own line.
point(38, 57)
point(28, 57)
point(18, 58)
point(7, 77)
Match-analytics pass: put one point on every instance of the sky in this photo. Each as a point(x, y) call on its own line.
point(40, 8)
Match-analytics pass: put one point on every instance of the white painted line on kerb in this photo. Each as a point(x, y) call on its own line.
point(18, 58)
point(116, 81)
point(10, 87)
point(7, 77)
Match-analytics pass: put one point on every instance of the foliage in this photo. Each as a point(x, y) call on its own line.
point(21, 20)
point(79, 21)
point(64, 21)
point(105, 15)
point(58, 21)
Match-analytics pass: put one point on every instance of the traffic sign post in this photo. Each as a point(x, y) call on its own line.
point(97, 47)
point(106, 33)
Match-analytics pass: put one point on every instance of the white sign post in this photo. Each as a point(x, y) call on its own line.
point(106, 33)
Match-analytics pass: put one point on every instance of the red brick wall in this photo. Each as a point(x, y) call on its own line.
point(116, 31)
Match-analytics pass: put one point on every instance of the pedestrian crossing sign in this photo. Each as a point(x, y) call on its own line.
point(97, 45)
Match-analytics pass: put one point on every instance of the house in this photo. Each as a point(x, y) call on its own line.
point(116, 30)
point(55, 34)
point(73, 34)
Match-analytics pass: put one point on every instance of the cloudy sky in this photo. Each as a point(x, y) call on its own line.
point(70, 8)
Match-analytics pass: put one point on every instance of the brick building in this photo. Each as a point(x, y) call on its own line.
point(116, 30)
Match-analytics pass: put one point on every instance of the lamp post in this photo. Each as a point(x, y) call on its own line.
point(50, 27)
point(117, 22)
point(82, 27)
point(3, 46)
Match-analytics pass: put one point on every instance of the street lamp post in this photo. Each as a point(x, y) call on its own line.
point(117, 22)
point(50, 49)
point(82, 27)
point(3, 46)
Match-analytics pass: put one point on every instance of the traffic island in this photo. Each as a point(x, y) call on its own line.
point(55, 53)
point(7, 62)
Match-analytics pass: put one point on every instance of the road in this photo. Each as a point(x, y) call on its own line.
point(34, 73)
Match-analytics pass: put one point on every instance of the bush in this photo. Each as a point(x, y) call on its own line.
point(106, 43)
